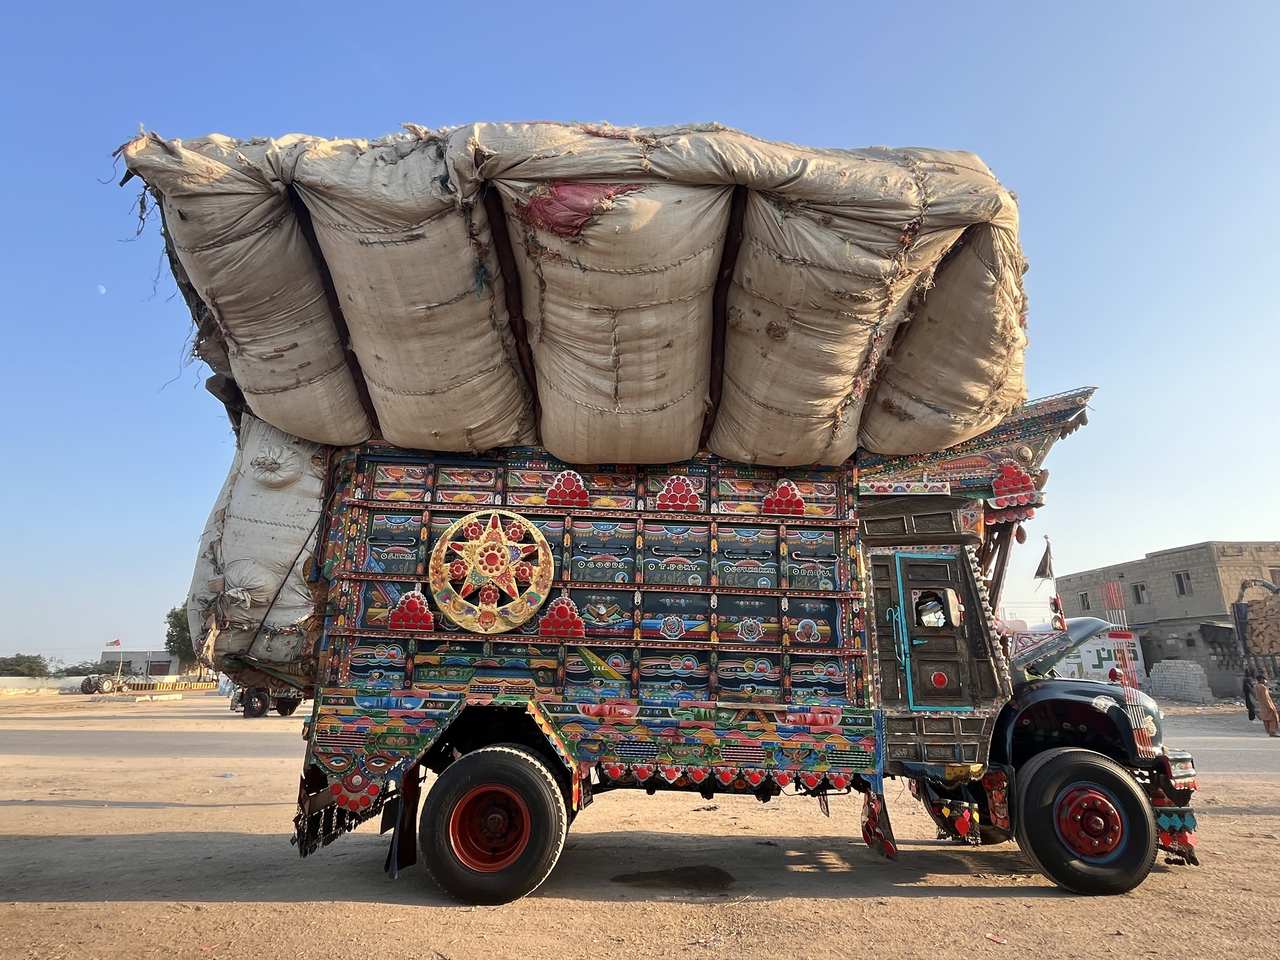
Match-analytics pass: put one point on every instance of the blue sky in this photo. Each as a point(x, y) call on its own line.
point(1141, 139)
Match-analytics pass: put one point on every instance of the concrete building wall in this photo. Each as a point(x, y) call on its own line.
point(1168, 622)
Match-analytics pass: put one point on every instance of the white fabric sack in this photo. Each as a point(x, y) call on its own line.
point(251, 570)
point(244, 252)
point(415, 270)
point(617, 286)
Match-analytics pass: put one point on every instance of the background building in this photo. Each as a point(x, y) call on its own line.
point(154, 663)
point(1178, 601)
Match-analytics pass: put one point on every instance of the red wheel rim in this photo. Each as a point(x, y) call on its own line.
point(489, 828)
point(1088, 821)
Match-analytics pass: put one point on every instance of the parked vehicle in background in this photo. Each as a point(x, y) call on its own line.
point(258, 701)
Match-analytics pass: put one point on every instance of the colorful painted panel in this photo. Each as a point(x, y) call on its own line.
point(749, 676)
point(667, 674)
point(677, 554)
point(377, 665)
point(603, 551)
point(409, 482)
point(676, 617)
point(375, 602)
point(552, 531)
point(597, 674)
point(742, 491)
point(747, 557)
point(605, 613)
point(813, 621)
point(812, 559)
point(817, 679)
point(748, 620)
point(449, 475)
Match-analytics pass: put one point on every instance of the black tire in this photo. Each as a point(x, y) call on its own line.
point(285, 706)
point(256, 702)
point(493, 825)
point(87, 685)
point(1059, 787)
point(105, 685)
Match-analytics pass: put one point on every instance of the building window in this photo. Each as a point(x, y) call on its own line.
point(1139, 593)
point(1084, 600)
point(1182, 583)
point(1191, 641)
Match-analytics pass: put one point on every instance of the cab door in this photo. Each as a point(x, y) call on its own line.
point(933, 649)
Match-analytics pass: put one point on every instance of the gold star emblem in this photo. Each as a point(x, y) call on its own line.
point(491, 558)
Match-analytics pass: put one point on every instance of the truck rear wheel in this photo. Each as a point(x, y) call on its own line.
point(285, 706)
point(1084, 822)
point(493, 825)
point(256, 702)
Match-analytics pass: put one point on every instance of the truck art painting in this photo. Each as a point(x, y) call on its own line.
point(536, 635)
point(575, 458)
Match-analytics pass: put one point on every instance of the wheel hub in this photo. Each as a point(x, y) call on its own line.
point(1088, 821)
point(489, 828)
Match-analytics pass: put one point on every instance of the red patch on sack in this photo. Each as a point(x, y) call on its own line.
point(565, 208)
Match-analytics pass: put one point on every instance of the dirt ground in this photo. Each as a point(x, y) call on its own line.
point(161, 830)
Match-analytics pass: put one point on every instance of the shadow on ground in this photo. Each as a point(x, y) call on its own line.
point(617, 866)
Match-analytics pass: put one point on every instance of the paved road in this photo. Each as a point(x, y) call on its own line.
point(1221, 744)
point(1225, 744)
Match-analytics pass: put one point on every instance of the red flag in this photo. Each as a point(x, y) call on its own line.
point(114, 643)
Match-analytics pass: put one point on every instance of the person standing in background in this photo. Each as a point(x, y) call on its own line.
point(1266, 707)
point(1248, 696)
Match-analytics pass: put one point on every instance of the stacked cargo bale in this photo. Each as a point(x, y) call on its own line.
point(250, 604)
point(787, 304)
point(1263, 628)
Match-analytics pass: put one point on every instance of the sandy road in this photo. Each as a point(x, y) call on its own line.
point(139, 830)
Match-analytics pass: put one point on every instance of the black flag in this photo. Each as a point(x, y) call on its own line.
point(1045, 570)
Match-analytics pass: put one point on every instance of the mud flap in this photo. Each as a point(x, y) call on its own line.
point(400, 815)
point(877, 833)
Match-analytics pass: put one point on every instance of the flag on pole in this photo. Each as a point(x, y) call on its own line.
point(114, 643)
point(1045, 570)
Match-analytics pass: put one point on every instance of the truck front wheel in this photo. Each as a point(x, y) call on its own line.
point(493, 825)
point(1084, 822)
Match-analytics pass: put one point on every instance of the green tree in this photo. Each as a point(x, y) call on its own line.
point(84, 668)
point(24, 665)
point(177, 636)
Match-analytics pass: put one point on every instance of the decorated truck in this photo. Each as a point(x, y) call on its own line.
point(574, 458)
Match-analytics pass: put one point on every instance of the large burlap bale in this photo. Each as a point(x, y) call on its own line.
point(235, 234)
point(415, 270)
point(250, 576)
point(957, 370)
point(617, 286)
point(206, 580)
point(876, 299)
